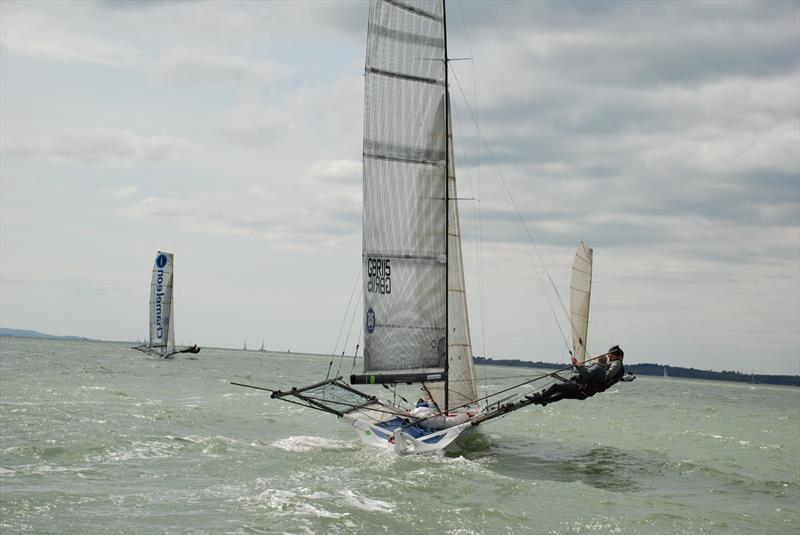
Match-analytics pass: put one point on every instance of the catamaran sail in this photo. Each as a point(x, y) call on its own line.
point(460, 388)
point(579, 299)
point(162, 319)
point(416, 328)
point(405, 192)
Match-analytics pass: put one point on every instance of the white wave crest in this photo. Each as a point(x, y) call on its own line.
point(308, 443)
point(359, 501)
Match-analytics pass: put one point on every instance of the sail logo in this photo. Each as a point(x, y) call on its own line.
point(379, 273)
point(370, 320)
point(159, 322)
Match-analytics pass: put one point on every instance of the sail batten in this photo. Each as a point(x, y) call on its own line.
point(403, 76)
point(414, 9)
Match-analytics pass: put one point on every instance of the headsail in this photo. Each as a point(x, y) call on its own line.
point(461, 369)
point(405, 210)
point(162, 320)
point(579, 298)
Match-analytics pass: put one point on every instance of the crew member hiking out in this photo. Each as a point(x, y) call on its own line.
point(588, 380)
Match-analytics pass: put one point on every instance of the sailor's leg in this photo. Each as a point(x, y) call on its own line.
point(557, 392)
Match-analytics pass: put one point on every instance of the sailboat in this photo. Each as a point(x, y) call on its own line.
point(416, 327)
point(665, 372)
point(580, 293)
point(161, 341)
point(244, 346)
point(261, 349)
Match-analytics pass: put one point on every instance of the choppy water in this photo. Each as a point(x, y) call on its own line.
point(97, 438)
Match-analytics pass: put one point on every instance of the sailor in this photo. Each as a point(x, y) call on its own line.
point(615, 371)
point(587, 382)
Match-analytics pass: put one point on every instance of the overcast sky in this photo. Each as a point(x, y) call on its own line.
point(664, 134)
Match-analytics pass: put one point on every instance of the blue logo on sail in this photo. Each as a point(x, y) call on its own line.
point(370, 320)
point(161, 260)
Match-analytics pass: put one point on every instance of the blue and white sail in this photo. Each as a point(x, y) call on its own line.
point(162, 319)
point(161, 341)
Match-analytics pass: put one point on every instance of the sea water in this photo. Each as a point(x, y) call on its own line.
point(98, 438)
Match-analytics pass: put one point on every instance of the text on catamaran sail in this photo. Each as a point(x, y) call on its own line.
point(159, 297)
point(379, 276)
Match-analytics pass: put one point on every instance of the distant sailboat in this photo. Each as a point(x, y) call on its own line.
point(665, 372)
point(261, 349)
point(244, 346)
point(162, 318)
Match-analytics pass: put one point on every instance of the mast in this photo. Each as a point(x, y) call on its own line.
point(447, 142)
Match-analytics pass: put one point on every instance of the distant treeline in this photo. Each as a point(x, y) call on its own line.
point(658, 370)
point(25, 333)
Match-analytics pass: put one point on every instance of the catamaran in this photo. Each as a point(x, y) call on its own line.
point(162, 319)
point(416, 327)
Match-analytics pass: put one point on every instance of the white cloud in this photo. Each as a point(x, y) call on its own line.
point(122, 192)
point(348, 170)
point(259, 125)
point(40, 37)
point(95, 146)
point(198, 66)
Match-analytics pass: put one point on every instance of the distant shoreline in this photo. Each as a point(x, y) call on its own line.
point(643, 368)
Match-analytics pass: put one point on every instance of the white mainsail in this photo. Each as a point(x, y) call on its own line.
point(162, 319)
point(405, 183)
point(579, 299)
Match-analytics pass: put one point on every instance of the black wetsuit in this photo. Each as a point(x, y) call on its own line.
point(586, 383)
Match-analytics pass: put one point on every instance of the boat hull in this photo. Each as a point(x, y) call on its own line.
point(403, 439)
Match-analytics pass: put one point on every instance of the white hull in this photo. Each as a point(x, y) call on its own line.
point(402, 442)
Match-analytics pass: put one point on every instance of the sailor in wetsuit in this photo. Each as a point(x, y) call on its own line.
point(616, 371)
point(588, 381)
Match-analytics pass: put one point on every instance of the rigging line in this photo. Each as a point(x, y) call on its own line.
point(477, 208)
point(521, 221)
point(358, 343)
point(344, 318)
point(349, 330)
point(551, 375)
point(603, 314)
point(511, 377)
